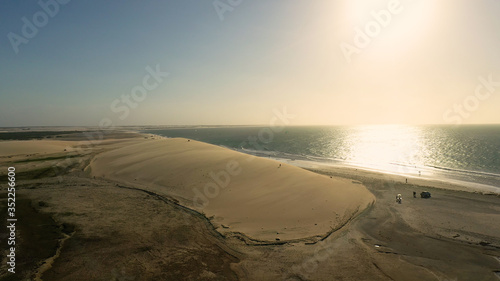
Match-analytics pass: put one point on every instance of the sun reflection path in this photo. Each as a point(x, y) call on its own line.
point(394, 148)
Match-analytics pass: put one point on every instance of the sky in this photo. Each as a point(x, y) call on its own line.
point(238, 62)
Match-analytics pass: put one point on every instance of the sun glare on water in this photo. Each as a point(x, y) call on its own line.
point(385, 146)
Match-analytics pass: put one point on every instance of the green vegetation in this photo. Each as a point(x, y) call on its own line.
point(29, 135)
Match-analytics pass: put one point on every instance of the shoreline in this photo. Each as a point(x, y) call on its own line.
point(412, 173)
point(453, 234)
point(440, 180)
point(456, 178)
point(435, 182)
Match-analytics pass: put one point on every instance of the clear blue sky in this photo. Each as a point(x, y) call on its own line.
point(262, 55)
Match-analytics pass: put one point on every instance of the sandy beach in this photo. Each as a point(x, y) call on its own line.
point(146, 208)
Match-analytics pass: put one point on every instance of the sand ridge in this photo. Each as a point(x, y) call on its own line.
point(262, 198)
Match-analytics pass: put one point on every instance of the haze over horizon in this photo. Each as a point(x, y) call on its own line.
point(73, 63)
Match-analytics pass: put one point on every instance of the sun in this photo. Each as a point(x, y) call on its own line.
point(389, 27)
point(410, 29)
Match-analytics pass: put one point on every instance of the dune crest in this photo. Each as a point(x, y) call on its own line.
point(259, 197)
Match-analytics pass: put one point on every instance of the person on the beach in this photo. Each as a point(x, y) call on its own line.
point(414, 194)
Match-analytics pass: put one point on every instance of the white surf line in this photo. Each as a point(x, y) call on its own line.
point(47, 264)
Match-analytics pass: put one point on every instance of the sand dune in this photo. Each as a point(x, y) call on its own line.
point(243, 193)
point(127, 233)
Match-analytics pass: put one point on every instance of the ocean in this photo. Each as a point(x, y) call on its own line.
point(467, 153)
